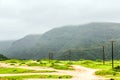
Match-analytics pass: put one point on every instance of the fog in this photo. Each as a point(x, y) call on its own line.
point(22, 17)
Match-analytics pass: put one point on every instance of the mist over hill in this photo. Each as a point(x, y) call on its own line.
point(64, 38)
point(4, 45)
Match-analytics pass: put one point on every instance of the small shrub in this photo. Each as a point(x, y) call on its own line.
point(87, 62)
point(117, 68)
point(12, 64)
point(62, 67)
point(81, 59)
point(105, 72)
point(98, 60)
point(33, 64)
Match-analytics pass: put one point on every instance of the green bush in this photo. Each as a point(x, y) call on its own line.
point(117, 68)
point(87, 62)
point(62, 67)
point(33, 64)
point(98, 60)
point(106, 72)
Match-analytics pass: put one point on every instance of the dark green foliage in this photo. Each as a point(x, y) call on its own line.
point(117, 68)
point(2, 57)
point(98, 60)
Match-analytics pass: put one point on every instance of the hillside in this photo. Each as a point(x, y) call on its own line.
point(22, 48)
point(4, 45)
point(61, 39)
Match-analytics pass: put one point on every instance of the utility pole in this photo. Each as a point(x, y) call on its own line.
point(103, 55)
point(69, 56)
point(112, 54)
point(50, 55)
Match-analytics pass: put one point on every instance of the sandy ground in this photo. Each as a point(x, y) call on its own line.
point(80, 73)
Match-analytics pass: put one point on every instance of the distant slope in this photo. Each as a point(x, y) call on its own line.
point(69, 37)
point(5, 44)
point(21, 48)
point(26, 42)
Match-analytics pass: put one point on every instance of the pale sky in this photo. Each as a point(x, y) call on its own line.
point(22, 17)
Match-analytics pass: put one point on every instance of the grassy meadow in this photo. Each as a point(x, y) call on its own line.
point(104, 70)
point(55, 64)
point(36, 76)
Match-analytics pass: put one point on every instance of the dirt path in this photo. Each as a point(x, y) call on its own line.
point(80, 73)
point(83, 73)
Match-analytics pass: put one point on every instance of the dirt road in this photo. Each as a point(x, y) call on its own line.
point(83, 73)
point(80, 73)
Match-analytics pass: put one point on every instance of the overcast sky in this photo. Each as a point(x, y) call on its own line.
point(22, 17)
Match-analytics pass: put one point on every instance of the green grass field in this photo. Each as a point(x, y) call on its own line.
point(20, 70)
point(103, 70)
point(62, 65)
point(36, 76)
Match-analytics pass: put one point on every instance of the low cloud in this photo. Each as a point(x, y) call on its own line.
point(21, 17)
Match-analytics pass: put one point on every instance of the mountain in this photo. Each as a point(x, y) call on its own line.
point(58, 40)
point(4, 45)
point(23, 47)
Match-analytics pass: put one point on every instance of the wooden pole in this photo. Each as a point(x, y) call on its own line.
point(103, 55)
point(112, 54)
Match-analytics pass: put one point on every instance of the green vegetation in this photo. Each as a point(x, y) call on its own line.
point(42, 63)
point(20, 70)
point(96, 64)
point(103, 70)
point(2, 57)
point(36, 76)
point(106, 72)
point(17, 61)
point(62, 65)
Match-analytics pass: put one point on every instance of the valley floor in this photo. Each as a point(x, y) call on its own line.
point(79, 72)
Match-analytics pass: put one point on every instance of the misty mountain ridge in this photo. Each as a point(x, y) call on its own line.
point(63, 38)
point(4, 45)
